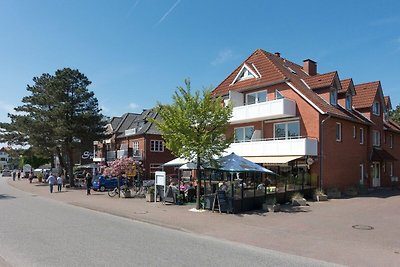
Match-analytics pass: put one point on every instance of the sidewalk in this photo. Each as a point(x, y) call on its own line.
point(323, 231)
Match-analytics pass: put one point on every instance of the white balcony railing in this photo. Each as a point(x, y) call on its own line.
point(137, 154)
point(285, 147)
point(122, 153)
point(111, 155)
point(280, 108)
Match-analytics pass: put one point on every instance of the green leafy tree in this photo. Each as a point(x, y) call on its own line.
point(395, 114)
point(194, 127)
point(59, 115)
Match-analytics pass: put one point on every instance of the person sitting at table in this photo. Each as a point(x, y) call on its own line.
point(183, 186)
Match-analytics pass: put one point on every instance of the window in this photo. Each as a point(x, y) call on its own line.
point(376, 138)
point(361, 136)
point(243, 134)
point(333, 97)
point(246, 74)
point(256, 97)
point(376, 110)
point(361, 173)
point(278, 95)
point(338, 131)
point(157, 146)
point(287, 130)
point(349, 101)
point(135, 145)
point(354, 132)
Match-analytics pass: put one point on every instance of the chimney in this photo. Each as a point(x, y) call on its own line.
point(310, 67)
point(277, 54)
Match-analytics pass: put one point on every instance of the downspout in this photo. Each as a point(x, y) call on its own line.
point(321, 152)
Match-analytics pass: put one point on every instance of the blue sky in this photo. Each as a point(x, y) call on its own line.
point(136, 52)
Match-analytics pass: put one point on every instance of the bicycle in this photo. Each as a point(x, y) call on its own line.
point(115, 191)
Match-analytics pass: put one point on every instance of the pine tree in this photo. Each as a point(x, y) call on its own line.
point(60, 114)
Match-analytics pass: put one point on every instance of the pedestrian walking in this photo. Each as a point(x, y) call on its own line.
point(14, 174)
point(59, 183)
point(30, 176)
point(51, 180)
point(19, 174)
point(88, 179)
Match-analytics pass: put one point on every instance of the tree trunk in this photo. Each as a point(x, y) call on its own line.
point(198, 183)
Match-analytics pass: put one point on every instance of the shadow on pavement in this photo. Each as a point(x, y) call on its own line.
point(4, 196)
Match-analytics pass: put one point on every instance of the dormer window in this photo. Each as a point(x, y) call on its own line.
point(245, 73)
point(333, 97)
point(278, 95)
point(256, 97)
point(376, 108)
point(349, 101)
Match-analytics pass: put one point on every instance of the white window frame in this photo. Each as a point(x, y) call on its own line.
point(361, 136)
point(256, 97)
point(156, 146)
point(338, 132)
point(376, 108)
point(243, 139)
point(286, 130)
point(135, 145)
point(376, 138)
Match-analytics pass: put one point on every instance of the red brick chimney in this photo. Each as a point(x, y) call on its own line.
point(310, 67)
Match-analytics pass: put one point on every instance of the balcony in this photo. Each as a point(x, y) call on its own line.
point(280, 108)
point(284, 147)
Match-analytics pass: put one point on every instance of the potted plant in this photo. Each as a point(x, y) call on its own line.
point(179, 199)
point(298, 200)
point(150, 194)
point(319, 195)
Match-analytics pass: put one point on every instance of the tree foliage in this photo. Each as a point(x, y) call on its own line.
point(58, 115)
point(194, 126)
point(395, 114)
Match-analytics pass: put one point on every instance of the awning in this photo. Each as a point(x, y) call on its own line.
point(381, 155)
point(273, 160)
point(176, 162)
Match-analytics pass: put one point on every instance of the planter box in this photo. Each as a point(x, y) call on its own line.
point(149, 197)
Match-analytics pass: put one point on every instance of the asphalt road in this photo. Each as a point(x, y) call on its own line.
point(35, 231)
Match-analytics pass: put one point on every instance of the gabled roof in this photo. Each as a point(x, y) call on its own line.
point(388, 103)
point(347, 85)
point(276, 70)
point(141, 125)
point(392, 125)
point(365, 94)
point(321, 80)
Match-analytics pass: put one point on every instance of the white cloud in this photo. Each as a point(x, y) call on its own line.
point(133, 106)
point(168, 12)
point(223, 56)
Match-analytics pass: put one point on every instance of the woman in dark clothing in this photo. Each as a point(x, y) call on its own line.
point(88, 179)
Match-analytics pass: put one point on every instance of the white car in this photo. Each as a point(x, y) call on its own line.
point(6, 172)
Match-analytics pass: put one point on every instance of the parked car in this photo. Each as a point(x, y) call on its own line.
point(6, 172)
point(103, 183)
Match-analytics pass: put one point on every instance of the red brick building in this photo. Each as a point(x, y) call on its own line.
point(290, 117)
point(133, 135)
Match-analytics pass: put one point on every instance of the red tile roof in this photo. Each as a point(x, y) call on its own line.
point(345, 85)
point(274, 70)
point(321, 80)
point(365, 94)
